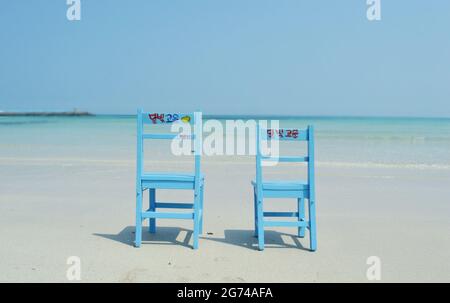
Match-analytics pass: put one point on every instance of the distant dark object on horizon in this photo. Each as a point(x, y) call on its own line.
point(74, 113)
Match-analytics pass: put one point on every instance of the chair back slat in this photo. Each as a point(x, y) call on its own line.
point(168, 136)
point(284, 134)
point(285, 159)
point(159, 136)
point(166, 118)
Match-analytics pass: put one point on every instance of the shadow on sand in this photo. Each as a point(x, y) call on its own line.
point(182, 236)
point(163, 236)
point(246, 238)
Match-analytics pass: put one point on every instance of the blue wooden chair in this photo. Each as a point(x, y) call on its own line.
point(153, 181)
point(287, 189)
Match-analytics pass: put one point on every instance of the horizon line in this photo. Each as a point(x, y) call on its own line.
point(286, 116)
point(244, 115)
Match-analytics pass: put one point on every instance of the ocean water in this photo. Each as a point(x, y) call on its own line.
point(422, 143)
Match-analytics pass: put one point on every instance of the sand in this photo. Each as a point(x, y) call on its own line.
point(55, 207)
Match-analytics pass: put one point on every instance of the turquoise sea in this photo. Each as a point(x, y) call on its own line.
point(341, 141)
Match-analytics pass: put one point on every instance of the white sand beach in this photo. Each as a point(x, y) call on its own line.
point(52, 208)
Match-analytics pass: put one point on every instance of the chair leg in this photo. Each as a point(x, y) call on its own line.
point(138, 231)
point(301, 216)
point(312, 225)
point(260, 224)
point(152, 204)
point(201, 210)
point(255, 216)
point(196, 219)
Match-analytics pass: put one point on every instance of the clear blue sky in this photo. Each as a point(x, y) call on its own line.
point(316, 57)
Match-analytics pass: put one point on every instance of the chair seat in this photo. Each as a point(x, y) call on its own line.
point(283, 185)
point(175, 177)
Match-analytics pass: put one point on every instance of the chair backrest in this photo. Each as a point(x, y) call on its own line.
point(285, 134)
point(151, 118)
